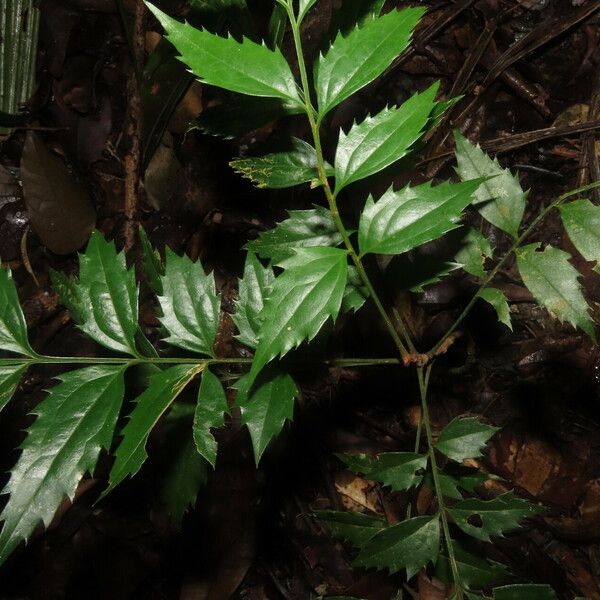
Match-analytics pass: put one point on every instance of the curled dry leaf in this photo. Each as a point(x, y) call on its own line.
point(60, 209)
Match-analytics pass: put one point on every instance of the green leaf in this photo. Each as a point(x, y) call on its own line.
point(305, 295)
point(210, 412)
point(353, 527)
point(400, 221)
point(9, 380)
point(190, 304)
point(450, 484)
point(354, 61)
point(496, 516)
point(355, 293)
point(303, 8)
point(464, 437)
point(524, 591)
point(153, 266)
point(304, 228)
point(13, 329)
point(265, 406)
point(398, 470)
point(497, 299)
point(277, 26)
point(104, 300)
point(379, 141)
point(554, 283)
point(581, 219)
point(164, 387)
point(254, 287)
point(475, 572)
point(247, 68)
point(74, 422)
point(503, 195)
point(282, 169)
point(475, 248)
point(408, 545)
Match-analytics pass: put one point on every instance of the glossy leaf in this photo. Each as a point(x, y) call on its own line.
point(357, 59)
point(247, 68)
point(355, 293)
point(554, 283)
point(282, 169)
point(503, 195)
point(74, 422)
point(475, 248)
point(497, 299)
point(452, 484)
point(381, 140)
point(131, 454)
point(305, 295)
point(304, 228)
point(190, 304)
point(475, 572)
point(581, 219)
point(524, 591)
point(210, 412)
point(496, 516)
point(303, 8)
point(265, 406)
point(408, 545)
point(356, 528)
point(398, 470)
point(464, 437)
point(400, 221)
point(104, 300)
point(254, 287)
point(13, 329)
point(277, 26)
point(9, 380)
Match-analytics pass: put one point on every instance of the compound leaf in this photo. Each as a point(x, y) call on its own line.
point(475, 248)
point(495, 516)
point(357, 59)
point(254, 288)
point(164, 387)
point(104, 300)
point(353, 527)
point(74, 422)
point(265, 406)
point(581, 219)
point(497, 299)
point(210, 412)
point(305, 295)
point(247, 67)
point(190, 304)
point(400, 221)
point(13, 329)
point(502, 193)
point(524, 591)
point(408, 545)
point(554, 283)
point(9, 380)
point(464, 437)
point(381, 140)
point(304, 228)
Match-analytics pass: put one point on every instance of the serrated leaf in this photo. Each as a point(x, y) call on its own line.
point(13, 329)
point(408, 545)
point(354, 61)
point(304, 228)
point(353, 13)
point(163, 389)
point(450, 484)
point(74, 422)
point(495, 517)
point(353, 527)
point(381, 140)
point(104, 299)
point(210, 412)
point(475, 572)
point(9, 380)
point(265, 406)
point(356, 293)
point(416, 271)
point(303, 8)
point(475, 248)
point(398, 470)
point(190, 304)
point(247, 68)
point(305, 295)
point(581, 219)
point(282, 169)
point(554, 283)
point(497, 299)
point(254, 287)
point(153, 266)
point(400, 221)
point(464, 437)
point(278, 22)
point(524, 591)
point(503, 195)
